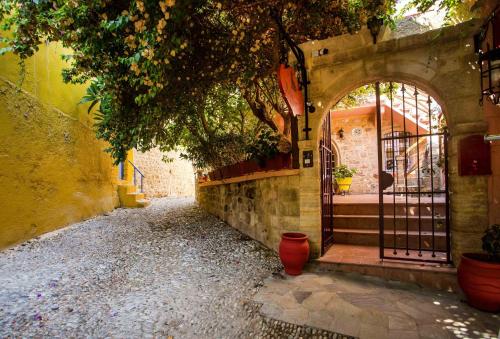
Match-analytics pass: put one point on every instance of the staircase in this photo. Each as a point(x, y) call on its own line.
point(356, 241)
point(130, 197)
point(358, 224)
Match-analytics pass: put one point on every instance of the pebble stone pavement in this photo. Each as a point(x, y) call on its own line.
point(170, 270)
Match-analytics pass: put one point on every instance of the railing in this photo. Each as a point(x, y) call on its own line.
point(136, 170)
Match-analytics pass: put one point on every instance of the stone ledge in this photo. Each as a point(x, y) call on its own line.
point(250, 177)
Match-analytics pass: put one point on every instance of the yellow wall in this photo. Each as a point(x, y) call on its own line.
point(53, 171)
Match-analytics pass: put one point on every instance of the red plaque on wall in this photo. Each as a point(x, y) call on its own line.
point(290, 89)
point(474, 156)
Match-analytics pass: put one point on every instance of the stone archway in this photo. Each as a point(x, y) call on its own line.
point(410, 150)
point(440, 66)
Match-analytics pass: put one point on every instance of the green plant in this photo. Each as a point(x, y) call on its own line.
point(342, 171)
point(152, 65)
point(491, 242)
point(264, 147)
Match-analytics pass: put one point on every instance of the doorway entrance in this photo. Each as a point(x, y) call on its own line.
point(395, 135)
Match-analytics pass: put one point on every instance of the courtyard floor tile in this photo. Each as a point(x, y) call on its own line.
point(368, 307)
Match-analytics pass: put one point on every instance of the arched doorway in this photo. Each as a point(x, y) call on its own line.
point(396, 134)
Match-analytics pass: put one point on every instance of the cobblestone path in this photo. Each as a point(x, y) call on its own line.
point(168, 270)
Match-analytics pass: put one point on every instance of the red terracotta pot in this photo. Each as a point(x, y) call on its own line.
point(212, 176)
point(480, 281)
point(235, 170)
point(249, 166)
point(216, 174)
point(226, 172)
point(294, 252)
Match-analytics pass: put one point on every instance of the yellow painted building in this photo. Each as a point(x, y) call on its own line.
point(53, 171)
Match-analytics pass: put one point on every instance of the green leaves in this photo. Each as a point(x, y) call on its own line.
point(168, 73)
point(115, 25)
point(94, 94)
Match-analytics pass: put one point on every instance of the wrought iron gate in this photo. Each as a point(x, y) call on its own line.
point(413, 175)
point(327, 165)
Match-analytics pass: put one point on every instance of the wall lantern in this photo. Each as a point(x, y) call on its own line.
point(488, 49)
point(310, 107)
point(340, 133)
point(374, 24)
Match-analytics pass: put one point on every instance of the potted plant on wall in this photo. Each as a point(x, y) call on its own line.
point(479, 273)
point(343, 176)
point(266, 153)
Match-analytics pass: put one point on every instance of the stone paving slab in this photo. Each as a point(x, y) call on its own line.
point(368, 307)
point(166, 271)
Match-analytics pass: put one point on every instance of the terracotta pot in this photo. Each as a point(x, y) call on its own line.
point(278, 162)
point(249, 166)
point(212, 175)
point(480, 281)
point(226, 172)
point(294, 252)
point(235, 170)
point(215, 174)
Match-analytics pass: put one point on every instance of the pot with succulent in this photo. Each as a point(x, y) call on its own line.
point(479, 273)
point(343, 177)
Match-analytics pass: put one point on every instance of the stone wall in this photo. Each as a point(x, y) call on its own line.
point(439, 62)
point(54, 171)
point(165, 179)
point(358, 151)
point(262, 209)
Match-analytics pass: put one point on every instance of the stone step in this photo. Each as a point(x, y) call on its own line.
point(371, 238)
point(372, 222)
point(143, 203)
point(373, 209)
point(365, 260)
point(130, 197)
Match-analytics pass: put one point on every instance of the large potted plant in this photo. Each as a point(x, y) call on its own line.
point(479, 273)
point(343, 176)
point(294, 252)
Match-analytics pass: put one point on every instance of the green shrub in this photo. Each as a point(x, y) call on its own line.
point(343, 171)
point(491, 241)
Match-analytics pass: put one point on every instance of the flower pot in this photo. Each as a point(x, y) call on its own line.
point(278, 162)
point(344, 184)
point(249, 166)
point(294, 252)
point(480, 281)
point(212, 175)
point(215, 175)
point(226, 172)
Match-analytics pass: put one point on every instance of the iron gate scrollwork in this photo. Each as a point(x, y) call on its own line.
point(327, 166)
point(413, 147)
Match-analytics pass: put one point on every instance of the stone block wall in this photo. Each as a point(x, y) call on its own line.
point(165, 179)
point(439, 62)
point(261, 209)
point(358, 151)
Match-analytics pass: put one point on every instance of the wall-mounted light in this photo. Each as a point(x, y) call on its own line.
point(340, 133)
point(320, 52)
point(489, 57)
point(311, 108)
